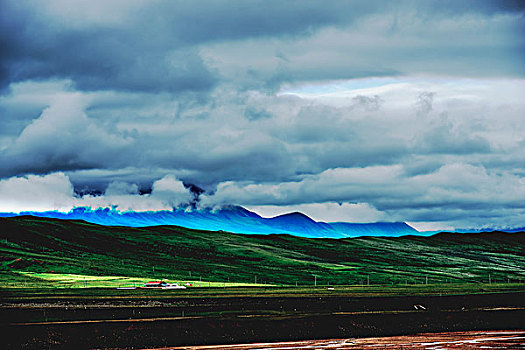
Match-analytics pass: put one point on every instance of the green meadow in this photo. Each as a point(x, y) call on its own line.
point(50, 253)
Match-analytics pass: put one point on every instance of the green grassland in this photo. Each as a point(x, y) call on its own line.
point(38, 252)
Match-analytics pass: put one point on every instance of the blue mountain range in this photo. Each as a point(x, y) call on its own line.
point(232, 219)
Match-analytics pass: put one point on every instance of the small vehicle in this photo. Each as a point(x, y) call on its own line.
point(173, 286)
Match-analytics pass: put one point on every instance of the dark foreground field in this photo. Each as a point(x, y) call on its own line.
point(155, 322)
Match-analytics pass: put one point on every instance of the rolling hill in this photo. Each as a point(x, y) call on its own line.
point(32, 244)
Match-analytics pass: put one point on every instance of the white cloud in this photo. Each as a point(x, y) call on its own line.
point(36, 193)
point(167, 193)
point(55, 192)
point(431, 226)
point(171, 190)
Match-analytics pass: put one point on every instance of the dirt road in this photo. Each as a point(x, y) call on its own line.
point(426, 341)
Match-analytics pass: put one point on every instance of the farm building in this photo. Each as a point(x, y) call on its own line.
point(155, 284)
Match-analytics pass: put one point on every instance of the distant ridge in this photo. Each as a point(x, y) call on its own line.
point(233, 219)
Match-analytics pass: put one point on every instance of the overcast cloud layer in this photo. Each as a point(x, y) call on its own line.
point(346, 110)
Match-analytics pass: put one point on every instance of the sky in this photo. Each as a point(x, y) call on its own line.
point(355, 111)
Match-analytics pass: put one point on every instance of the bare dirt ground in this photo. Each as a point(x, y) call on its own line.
point(426, 341)
point(267, 323)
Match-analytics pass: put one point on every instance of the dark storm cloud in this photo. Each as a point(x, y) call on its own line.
point(136, 47)
point(151, 48)
point(102, 59)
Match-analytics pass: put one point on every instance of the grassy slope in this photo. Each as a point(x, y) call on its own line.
point(31, 247)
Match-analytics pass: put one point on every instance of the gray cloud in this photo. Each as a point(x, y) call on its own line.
point(440, 136)
point(61, 139)
point(213, 143)
point(368, 103)
point(424, 102)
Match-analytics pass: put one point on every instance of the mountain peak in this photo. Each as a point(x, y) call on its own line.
point(294, 216)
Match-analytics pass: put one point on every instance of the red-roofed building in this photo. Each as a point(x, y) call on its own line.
point(155, 284)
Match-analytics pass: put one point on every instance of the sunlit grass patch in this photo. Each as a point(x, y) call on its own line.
point(64, 280)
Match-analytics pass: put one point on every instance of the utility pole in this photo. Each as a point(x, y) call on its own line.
point(367, 280)
point(490, 281)
point(315, 280)
point(255, 279)
point(426, 279)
